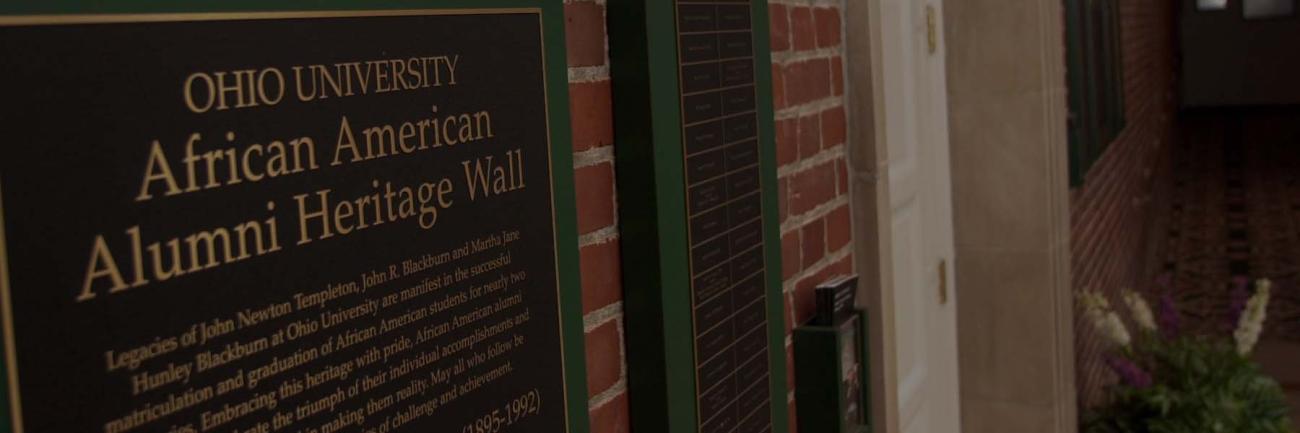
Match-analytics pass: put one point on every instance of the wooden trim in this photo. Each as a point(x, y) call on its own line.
point(657, 300)
point(870, 203)
point(1095, 77)
point(655, 238)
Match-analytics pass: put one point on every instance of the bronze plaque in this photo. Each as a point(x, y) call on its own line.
point(297, 223)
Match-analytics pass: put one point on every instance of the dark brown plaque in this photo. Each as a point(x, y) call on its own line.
point(255, 223)
point(723, 202)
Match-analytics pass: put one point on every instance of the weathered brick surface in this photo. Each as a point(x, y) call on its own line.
point(780, 35)
point(584, 33)
point(807, 80)
point(611, 417)
point(594, 187)
point(787, 141)
point(1111, 213)
point(791, 250)
point(812, 131)
point(811, 187)
point(590, 108)
point(838, 228)
point(802, 28)
point(827, 20)
point(602, 275)
point(604, 339)
point(833, 128)
point(837, 76)
point(810, 135)
point(814, 243)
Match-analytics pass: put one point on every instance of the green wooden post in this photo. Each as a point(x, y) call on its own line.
point(656, 234)
point(823, 396)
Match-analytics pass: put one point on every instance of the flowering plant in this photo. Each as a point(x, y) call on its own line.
point(1175, 383)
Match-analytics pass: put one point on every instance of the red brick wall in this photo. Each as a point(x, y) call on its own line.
point(808, 89)
point(812, 171)
point(1112, 213)
point(593, 161)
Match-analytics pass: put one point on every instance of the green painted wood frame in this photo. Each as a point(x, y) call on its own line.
point(556, 70)
point(818, 361)
point(652, 215)
point(1095, 77)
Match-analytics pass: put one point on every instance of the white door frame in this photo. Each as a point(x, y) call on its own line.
point(1053, 408)
point(871, 198)
point(868, 165)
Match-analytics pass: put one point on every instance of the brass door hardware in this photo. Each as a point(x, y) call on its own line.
point(943, 281)
point(931, 32)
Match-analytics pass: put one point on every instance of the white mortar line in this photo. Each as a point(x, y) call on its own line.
point(795, 222)
point(588, 74)
point(785, 58)
point(603, 235)
point(619, 386)
point(810, 107)
point(829, 259)
point(833, 153)
point(601, 316)
point(593, 156)
point(607, 396)
point(810, 3)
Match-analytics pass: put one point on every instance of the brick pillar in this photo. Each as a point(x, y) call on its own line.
point(593, 147)
point(812, 174)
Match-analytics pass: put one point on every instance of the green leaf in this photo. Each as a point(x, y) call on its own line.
point(1201, 385)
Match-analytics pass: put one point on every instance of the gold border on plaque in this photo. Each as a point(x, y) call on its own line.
point(37, 20)
point(10, 345)
point(11, 356)
point(555, 232)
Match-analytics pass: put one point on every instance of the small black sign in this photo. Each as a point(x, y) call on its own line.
point(255, 224)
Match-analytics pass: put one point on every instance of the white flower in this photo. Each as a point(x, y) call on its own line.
point(1115, 331)
point(1141, 310)
point(1096, 309)
point(1252, 318)
point(1093, 299)
point(1094, 304)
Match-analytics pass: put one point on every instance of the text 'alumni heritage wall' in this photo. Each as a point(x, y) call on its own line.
point(215, 226)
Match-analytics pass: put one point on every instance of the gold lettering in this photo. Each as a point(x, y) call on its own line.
point(297, 79)
point(189, 92)
point(157, 169)
point(101, 265)
point(209, 238)
point(379, 141)
point(304, 216)
point(345, 133)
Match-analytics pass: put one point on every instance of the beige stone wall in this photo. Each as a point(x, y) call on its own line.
point(1007, 113)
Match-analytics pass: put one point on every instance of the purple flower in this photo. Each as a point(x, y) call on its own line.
point(1129, 373)
point(1165, 282)
point(1167, 316)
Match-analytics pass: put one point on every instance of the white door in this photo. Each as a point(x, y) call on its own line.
point(915, 116)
